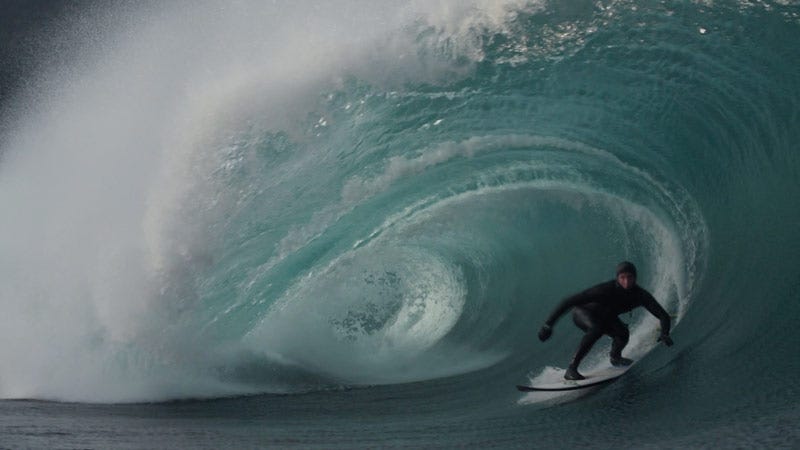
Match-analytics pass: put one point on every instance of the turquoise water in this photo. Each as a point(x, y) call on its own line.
point(342, 225)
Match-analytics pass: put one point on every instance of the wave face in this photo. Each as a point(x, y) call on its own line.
point(281, 199)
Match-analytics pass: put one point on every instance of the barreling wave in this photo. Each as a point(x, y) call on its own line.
point(400, 194)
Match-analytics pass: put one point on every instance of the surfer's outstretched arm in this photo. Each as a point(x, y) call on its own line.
point(652, 306)
point(568, 303)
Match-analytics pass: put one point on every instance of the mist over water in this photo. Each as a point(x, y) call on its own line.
point(212, 201)
point(144, 181)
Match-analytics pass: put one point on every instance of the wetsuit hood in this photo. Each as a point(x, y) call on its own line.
point(626, 267)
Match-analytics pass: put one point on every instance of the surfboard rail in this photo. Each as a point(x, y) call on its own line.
point(593, 378)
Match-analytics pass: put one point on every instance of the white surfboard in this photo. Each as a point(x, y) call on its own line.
point(593, 378)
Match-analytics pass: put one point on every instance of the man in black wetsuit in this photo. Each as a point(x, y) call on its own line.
point(595, 311)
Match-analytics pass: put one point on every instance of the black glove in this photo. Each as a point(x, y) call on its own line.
point(545, 332)
point(665, 339)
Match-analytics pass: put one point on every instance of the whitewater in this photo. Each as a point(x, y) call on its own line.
point(341, 224)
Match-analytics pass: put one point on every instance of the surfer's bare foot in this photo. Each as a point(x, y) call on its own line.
point(572, 374)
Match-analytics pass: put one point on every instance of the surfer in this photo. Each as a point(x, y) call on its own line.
point(595, 311)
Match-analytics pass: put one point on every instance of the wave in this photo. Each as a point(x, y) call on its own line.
point(223, 202)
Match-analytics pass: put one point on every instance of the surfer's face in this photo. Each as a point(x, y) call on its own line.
point(626, 280)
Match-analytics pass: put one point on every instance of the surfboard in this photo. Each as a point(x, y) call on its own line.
point(593, 378)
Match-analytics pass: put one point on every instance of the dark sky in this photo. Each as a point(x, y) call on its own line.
point(32, 37)
point(22, 37)
point(37, 33)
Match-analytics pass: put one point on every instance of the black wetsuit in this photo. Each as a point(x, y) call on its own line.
point(596, 310)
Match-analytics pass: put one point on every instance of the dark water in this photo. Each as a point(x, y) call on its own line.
point(341, 225)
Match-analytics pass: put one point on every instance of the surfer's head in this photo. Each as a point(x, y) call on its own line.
point(626, 274)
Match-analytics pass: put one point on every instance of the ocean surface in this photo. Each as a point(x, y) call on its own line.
point(341, 224)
